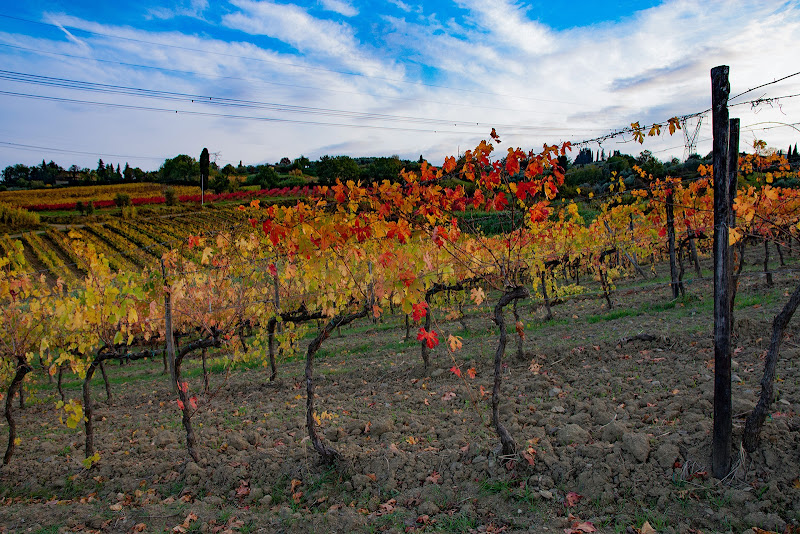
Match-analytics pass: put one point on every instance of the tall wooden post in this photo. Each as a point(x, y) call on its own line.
point(733, 171)
point(721, 441)
point(169, 334)
point(673, 264)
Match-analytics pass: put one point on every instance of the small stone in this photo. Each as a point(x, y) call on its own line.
point(546, 494)
point(666, 455)
point(213, 500)
point(266, 500)
point(557, 409)
point(613, 431)
point(554, 392)
point(428, 508)
point(163, 439)
point(193, 472)
point(573, 433)
point(637, 444)
point(238, 442)
point(255, 494)
point(360, 481)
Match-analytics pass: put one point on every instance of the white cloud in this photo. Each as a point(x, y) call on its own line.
point(340, 6)
point(195, 9)
point(330, 43)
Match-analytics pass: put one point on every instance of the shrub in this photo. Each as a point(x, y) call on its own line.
point(171, 197)
point(18, 217)
point(122, 200)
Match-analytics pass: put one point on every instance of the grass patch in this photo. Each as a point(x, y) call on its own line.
point(612, 315)
point(455, 523)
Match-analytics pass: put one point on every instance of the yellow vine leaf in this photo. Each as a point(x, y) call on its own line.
point(478, 296)
point(455, 342)
point(91, 460)
point(734, 236)
point(206, 255)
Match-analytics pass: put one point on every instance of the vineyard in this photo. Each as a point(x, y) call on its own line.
point(339, 363)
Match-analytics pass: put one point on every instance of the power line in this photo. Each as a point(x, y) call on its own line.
point(764, 85)
point(21, 146)
point(699, 114)
point(232, 116)
point(272, 82)
point(283, 63)
point(48, 81)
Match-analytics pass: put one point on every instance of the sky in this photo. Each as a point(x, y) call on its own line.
point(259, 80)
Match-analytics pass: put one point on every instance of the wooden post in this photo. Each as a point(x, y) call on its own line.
point(168, 320)
point(673, 266)
point(733, 171)
point(721, 440)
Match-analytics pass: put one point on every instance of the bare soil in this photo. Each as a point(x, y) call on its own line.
point(623, 423)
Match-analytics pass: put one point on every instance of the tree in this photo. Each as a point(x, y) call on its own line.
point(18, 175)
point(181, 168)
point(204, 161)
point(267, 177)
point(584, 156)
point(343, 168)
point(122, 200)
point(101, 170)
point(301, 163)
point(381, 169)
point(221, 184)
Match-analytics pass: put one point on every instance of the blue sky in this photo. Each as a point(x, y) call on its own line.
point(259, 80)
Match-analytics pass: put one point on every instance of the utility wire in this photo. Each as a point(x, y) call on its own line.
point(282, 63)
point(228, 116)
point(280, 84)
point(48, 81)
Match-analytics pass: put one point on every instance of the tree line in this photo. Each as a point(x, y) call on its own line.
point(590, 171)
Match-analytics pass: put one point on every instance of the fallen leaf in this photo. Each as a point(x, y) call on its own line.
point(647, 529)
point(572, 499)
point(434, 477)
point(578, 528)
point(115, 507)
point(243, 490)
point(529, 455)
point(387, 507)
point(450, 395)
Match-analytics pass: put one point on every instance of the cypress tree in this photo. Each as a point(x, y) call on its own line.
point(204, 169)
